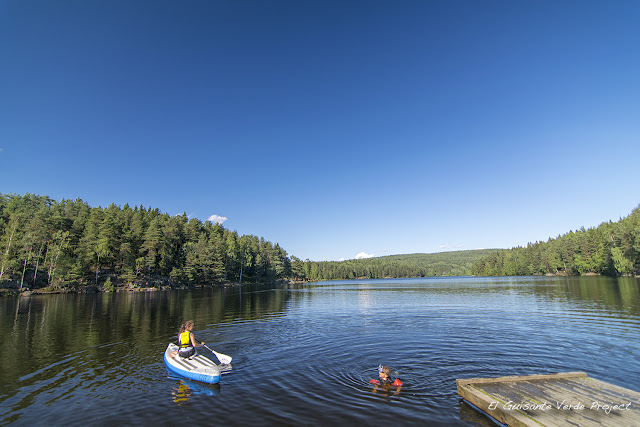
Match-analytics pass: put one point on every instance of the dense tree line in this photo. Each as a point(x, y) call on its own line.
point(48, 243)
point(611, 249)
point(458, 263)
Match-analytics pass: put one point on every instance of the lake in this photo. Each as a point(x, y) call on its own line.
point(304, 354)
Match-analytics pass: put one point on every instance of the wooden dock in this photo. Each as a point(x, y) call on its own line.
point(564, 399)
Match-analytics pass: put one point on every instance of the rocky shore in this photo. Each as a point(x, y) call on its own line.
point(12, 289)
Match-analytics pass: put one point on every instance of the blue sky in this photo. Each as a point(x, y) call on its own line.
point(330, 127)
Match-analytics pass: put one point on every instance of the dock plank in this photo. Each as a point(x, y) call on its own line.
point(563, 399)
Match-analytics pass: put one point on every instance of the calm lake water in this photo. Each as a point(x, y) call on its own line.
point(303, 355)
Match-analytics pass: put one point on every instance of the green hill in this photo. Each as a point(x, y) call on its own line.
point(456, 263)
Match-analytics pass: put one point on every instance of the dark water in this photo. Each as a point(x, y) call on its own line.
point(304, 355)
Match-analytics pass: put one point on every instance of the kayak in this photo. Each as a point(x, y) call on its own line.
point(197, 367)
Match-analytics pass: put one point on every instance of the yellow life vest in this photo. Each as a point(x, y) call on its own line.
point(185, 339)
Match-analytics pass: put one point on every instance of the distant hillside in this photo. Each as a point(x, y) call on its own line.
point(459, 257)
point(457, 263)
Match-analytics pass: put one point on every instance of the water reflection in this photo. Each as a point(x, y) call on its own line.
point(304, 354)
point(181, 393)
point(620, 295)
point(58, 346)
point(386, 390)
point(183, 389)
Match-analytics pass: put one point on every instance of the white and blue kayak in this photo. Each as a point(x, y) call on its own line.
point(196, 367)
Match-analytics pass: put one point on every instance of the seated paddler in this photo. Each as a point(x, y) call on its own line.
point(187, 341)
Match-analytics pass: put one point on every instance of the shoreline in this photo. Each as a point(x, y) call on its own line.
point(93, 289)
point(138, 287)
point(162, 285)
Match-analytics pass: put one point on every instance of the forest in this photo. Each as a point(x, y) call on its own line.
point(457, 263)
point(50, 244)
point(611, 249)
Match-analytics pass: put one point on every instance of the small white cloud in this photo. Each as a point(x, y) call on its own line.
point(454, 247)
point(217, 219)
point(363, 255)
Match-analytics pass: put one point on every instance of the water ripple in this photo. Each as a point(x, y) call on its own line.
point(305, 356)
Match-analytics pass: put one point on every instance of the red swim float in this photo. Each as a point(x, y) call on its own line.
point(396, 383)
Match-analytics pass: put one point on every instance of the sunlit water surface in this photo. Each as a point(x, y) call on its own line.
point(303, 355)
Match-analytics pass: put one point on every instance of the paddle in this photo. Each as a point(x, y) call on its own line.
point(223, 358)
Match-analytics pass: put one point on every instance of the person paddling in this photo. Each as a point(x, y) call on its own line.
point(187, 341)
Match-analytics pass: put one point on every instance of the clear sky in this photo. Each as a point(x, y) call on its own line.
point(330, 127)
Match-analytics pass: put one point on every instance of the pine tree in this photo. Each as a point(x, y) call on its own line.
point(153, 240)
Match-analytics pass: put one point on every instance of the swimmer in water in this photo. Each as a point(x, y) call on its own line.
point(385, 383)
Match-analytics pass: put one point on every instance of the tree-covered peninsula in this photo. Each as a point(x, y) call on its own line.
point(49, 244)
point(68, 244)
point(612, 249)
